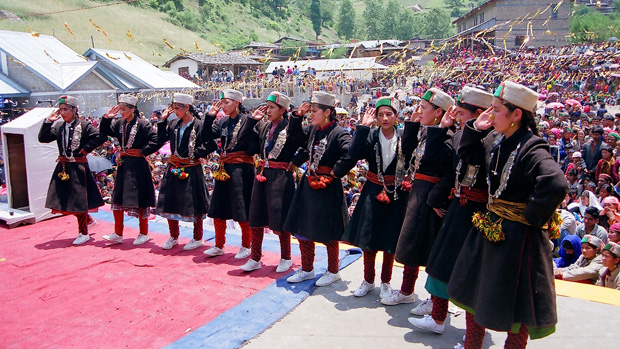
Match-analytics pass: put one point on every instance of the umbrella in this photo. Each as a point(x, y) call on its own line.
point(98, 163)
point(165, 149)
point(341, 111)
point(612, 39)
point(555, 105)
point(572, 102)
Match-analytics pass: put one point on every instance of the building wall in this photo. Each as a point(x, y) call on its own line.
point(553, 33)
point(191, 64)
point(27, 79)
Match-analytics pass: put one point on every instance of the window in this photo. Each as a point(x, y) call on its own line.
point(554, 11)
point(519, 40)
point(475, 21)
point(482, 18)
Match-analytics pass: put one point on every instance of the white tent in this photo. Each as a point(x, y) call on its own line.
point(29, 167)
point(358, 68)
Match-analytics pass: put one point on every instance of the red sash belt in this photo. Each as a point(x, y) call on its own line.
point(323, 170)
point(280, 165)
point(238, 157)
point(474, 194)
point(426, 178)
point(182, 162)
point(134, 153)
point(389, 180)
point(64, 159)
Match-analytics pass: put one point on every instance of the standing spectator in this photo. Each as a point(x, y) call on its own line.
point(591, 151)
point(589, 226)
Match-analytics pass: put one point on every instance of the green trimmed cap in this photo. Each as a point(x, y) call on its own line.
point(68, 100)
point(388, 102)
point(476, 97)
point(613, 248)
point(595, 241)
point(518, 95)
point(438, 98)
point(279, 99)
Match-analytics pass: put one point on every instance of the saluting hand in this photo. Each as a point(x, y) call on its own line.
point(303, 109)
point(112, 112)
point(416, 115)
point(260, 112)
point(449, 117)
point(166, 113)
point(55, 115)
point(369, 118)
point(214, 108)
point(484, 121)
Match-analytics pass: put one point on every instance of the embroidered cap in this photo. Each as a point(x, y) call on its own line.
point(438, 98)
point(391, 102)
point(279, 99)
point(595, 241)
point(323, 98)
point(68, 100)
point(612, 247)
point(475, 97)
point(128, 99)
point(183, 98)
point(232, 94)
point(517, 94)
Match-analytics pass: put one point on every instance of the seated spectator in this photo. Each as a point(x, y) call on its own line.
point(588, 199)
point(570, 250)
point(610, 273)
point(614, 233)
point(610, 213)
point(586, 268)
point(589, 226)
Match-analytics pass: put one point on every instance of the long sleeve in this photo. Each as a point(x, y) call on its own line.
point(162, 132)
point(47, 133)
point(345, 163)
point(471, 149)
point(94, 137)
point(576, 273)
point(107, 128)
point(152, 144)
point(360, 145)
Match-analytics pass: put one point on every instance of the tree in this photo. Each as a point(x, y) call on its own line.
point(291, 47)
point(372, 19)
point(389, 17)
point(316, 18)
point(438, 24)
point(346, 22)
point(457, 7)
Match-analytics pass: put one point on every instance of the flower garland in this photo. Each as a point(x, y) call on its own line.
point(317, 181)
point(492, 231)
point(179, 172)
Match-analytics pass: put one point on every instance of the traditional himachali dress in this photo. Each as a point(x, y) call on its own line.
point(376, 221)
point(183, 194)
point(504, 277)
point(318, 212)
point(234, 179)
point(469, 195)
point(133, 187)
point(274, 185)
point(72, 189)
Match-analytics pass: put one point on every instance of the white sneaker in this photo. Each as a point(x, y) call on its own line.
point(244, 252)
point(92, 223)
point(214, 251)
point(398, 298)
point(386, 290)
point(80, 239)
point(251, 265)
point(364, 288)
point(192, 244)
point(170, 243)
point(142, 238)
point(427, 323)
point(113, 238)
point(424, 308)
point(459, 346)
point(300, 276)
point(285, 264)
point(327, 279)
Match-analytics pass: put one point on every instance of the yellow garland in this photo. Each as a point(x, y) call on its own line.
point(492, 230)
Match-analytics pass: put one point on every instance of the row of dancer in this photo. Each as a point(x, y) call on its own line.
point(410, 189)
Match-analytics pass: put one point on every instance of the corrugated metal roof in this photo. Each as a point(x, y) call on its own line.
point(9, 88)
point(232, 57)
point(46, 56)
point(140, 70)
point(331, 64)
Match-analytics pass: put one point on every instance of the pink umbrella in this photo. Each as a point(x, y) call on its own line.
point(572, 102)
point(554, 105)
point(165, 149)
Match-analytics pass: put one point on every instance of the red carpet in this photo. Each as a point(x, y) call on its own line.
point(56, 294)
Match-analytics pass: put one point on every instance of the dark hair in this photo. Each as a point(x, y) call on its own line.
point(470, 107)
point(527, 117)
point(608, 148)
point(332, 114)
point(193, 111)
point(592, 211)
point(607, 187)
point(597, 129)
